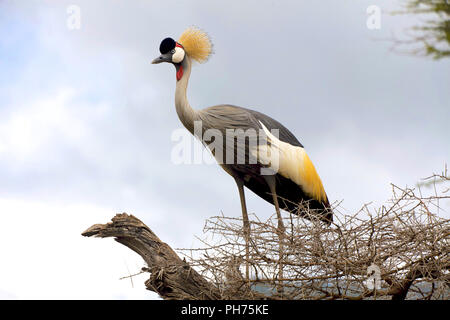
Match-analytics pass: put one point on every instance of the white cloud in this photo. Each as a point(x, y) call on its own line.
point(45, 256)
point(29, 127)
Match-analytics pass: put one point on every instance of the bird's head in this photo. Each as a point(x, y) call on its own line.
point(193, 44)
point(171, 51)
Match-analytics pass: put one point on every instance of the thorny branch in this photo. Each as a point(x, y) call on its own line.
point(405, 239)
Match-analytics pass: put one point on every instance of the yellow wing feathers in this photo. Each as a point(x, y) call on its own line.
point(312, 180)
point(294, 164)
point(197, 44)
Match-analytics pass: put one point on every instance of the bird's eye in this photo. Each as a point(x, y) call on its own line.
point(172, 51)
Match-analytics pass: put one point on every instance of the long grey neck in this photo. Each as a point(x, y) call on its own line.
point(184, 109)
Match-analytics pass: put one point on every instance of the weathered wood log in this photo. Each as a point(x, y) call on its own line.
point(171, 277)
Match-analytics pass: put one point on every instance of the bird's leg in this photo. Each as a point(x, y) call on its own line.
point(240, 185)
point(281, 229)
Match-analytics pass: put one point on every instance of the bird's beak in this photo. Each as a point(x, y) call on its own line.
point(163, 58)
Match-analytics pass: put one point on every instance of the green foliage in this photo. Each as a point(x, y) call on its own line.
point(432, 35)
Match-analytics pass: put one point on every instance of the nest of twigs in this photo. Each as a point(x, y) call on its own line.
point(398, 251)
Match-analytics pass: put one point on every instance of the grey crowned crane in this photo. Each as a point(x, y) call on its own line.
point(294, 179)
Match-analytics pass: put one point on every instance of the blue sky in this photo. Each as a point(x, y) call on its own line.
point(86, 122)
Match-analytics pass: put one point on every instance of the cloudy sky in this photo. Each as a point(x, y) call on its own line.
point(86, 123)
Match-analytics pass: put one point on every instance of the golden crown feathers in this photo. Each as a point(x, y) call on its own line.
point(197, 44)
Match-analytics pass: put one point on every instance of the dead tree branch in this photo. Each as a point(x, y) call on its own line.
point(171, 277)
point(405, 245)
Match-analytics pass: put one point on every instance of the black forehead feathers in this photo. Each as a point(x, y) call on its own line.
point(166, 45)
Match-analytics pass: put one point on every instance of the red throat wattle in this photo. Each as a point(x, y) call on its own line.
point(179, 73)
point(180, 70)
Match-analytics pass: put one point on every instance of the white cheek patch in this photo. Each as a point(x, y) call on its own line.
point(178, 56)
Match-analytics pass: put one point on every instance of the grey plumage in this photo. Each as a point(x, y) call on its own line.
point(229, 117)
point(223, 117)
point(297, 180)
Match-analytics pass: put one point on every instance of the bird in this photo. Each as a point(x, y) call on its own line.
point(288, 185)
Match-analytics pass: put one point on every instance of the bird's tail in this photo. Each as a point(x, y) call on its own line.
point(315, 210)
point(327, 214)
